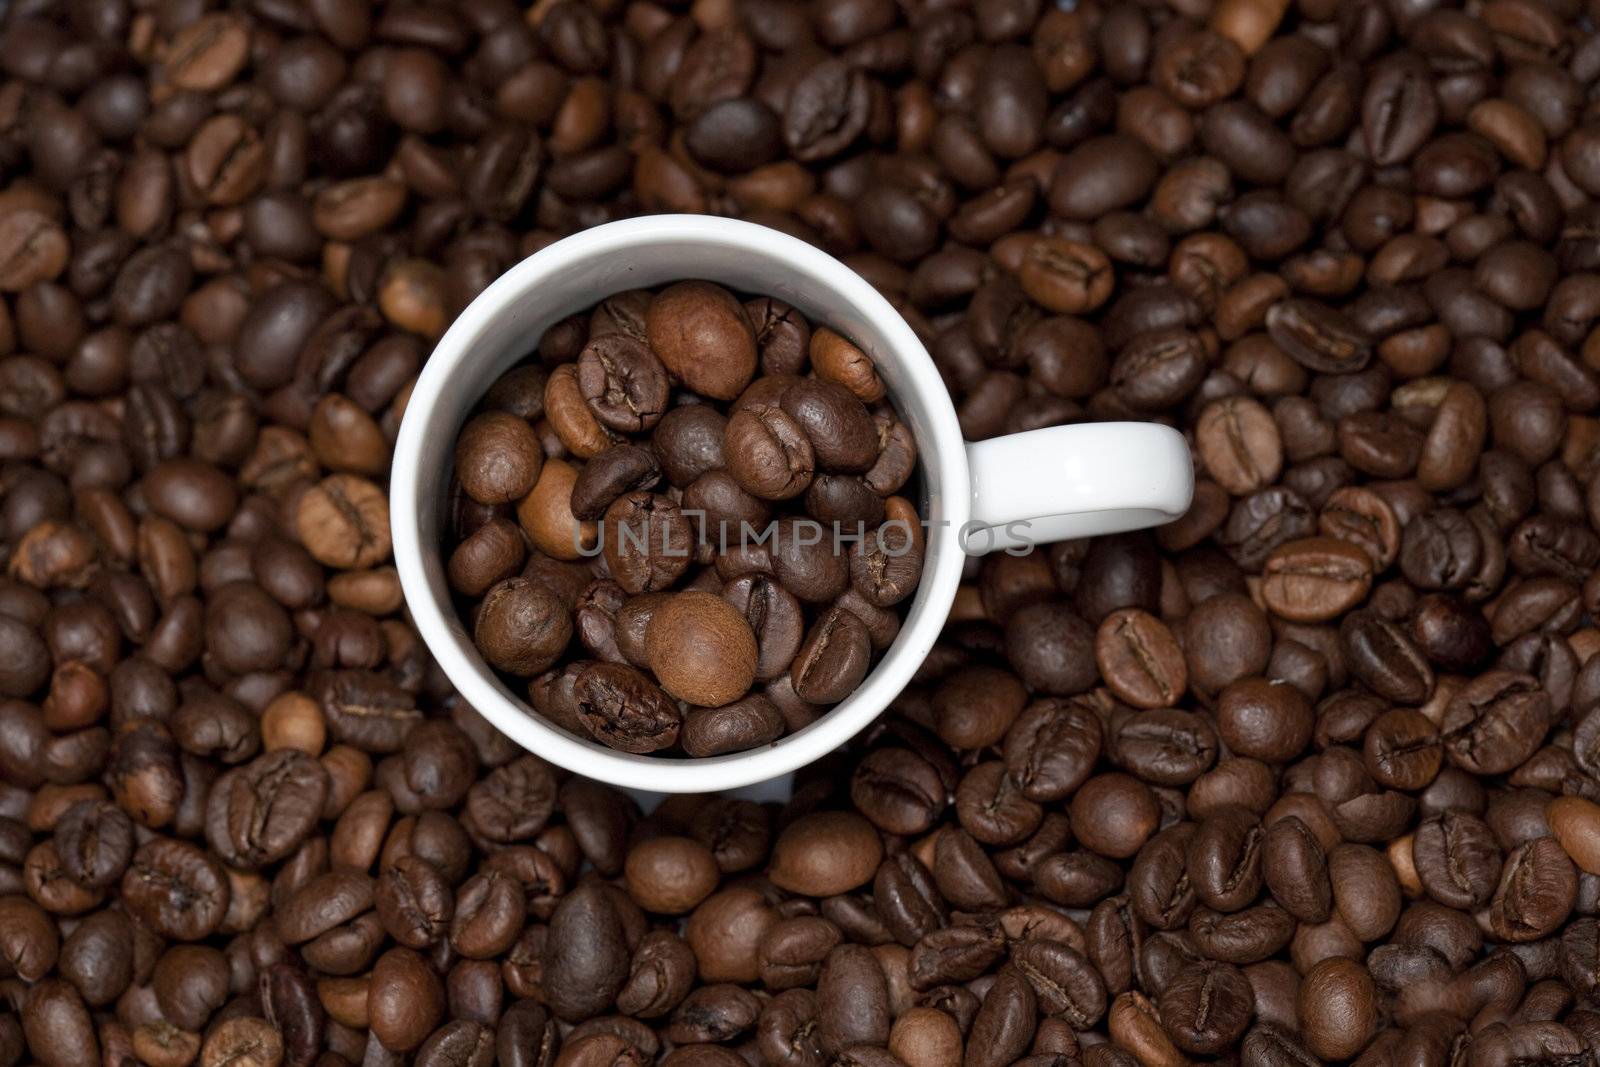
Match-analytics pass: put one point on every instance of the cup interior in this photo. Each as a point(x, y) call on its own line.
point(502, 328)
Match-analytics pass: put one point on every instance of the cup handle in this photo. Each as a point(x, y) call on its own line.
point(1075, 481)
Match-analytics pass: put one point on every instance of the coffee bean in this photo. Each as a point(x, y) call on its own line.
point(225, 160)
point(521, 627)
point(32, 249)
point(1315, 579)
point(1495, 721)
point(774, 618)
point(895, 788)
point(1005, 1022)
point(825, 854)
point(1067, 277)
point(1383, 657)
point(1140, 660)
point(648, 542)
point(1206, 1007)
point(624, 383)
point(842, 435)
point(737, 727)
point(1052, 649)
point(57, 1024)
point(1051, 748)
point(769, 453)
point(1337, 1008)
point(701, 649)
point(826, 109)
point(497, 458)
point(177, 889)
point(624, 709)
point(344, 522)
point(852, 999)
point(272, 805)
point(702, 335)
point(1568, 817)
point(1117, 814)
point(1239, 444)
point(725, 932)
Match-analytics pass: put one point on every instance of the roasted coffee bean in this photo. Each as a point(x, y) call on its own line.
point(1269, 721)
point(613, 473)
point(775, 618)
point(624, 383)
point(1065, 982)
point(1384, 658)
point(1294, 867)
point(1495, 721)
point(648, 543)
point(1318, 337)
point(1052, 648)
point(1206, 1007)
point(701, 649)
point(1140, 659)
point(178, 890)
point(1315, 579)
point(1457, 859)
point(1052, 747)
point(497, 458)
point(1338, 1008)
point(626, 710)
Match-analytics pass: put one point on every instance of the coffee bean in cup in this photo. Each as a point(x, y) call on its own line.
point(684, 525)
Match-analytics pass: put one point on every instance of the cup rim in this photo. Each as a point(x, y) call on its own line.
point(436, 620)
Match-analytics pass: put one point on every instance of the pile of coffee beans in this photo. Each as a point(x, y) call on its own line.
point(701, 528)
point(1309, 776)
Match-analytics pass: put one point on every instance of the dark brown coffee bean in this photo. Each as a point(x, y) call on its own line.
point(898, 790)
point(1065, 982)
point(274, 802)
point(1005, 1022)
point(648, 542)
point(1402, 749)
point(852, 999)
point(826, 110)
point(521, 627)
point(775, 619)
point(615, 472)
point(406, 999)
point(1536, 891)
point(842, 435)
point(1382, 656)
point(769, 453)
point(1264, 720)
point(703, 336)
point(623, 709)
point(1052, 648)
point(1495, 721)
point(624, 383)
point(1294, 867)
point(1052, 747)
point(1457, 859)
point(176, 889)
point(825, 854)
point(497, 458)
point(737, 727)
point(1206, 1007)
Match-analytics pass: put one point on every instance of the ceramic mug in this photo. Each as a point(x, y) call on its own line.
point(1027, 488)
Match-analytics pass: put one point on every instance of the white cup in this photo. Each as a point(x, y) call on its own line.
point(1028, 488)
